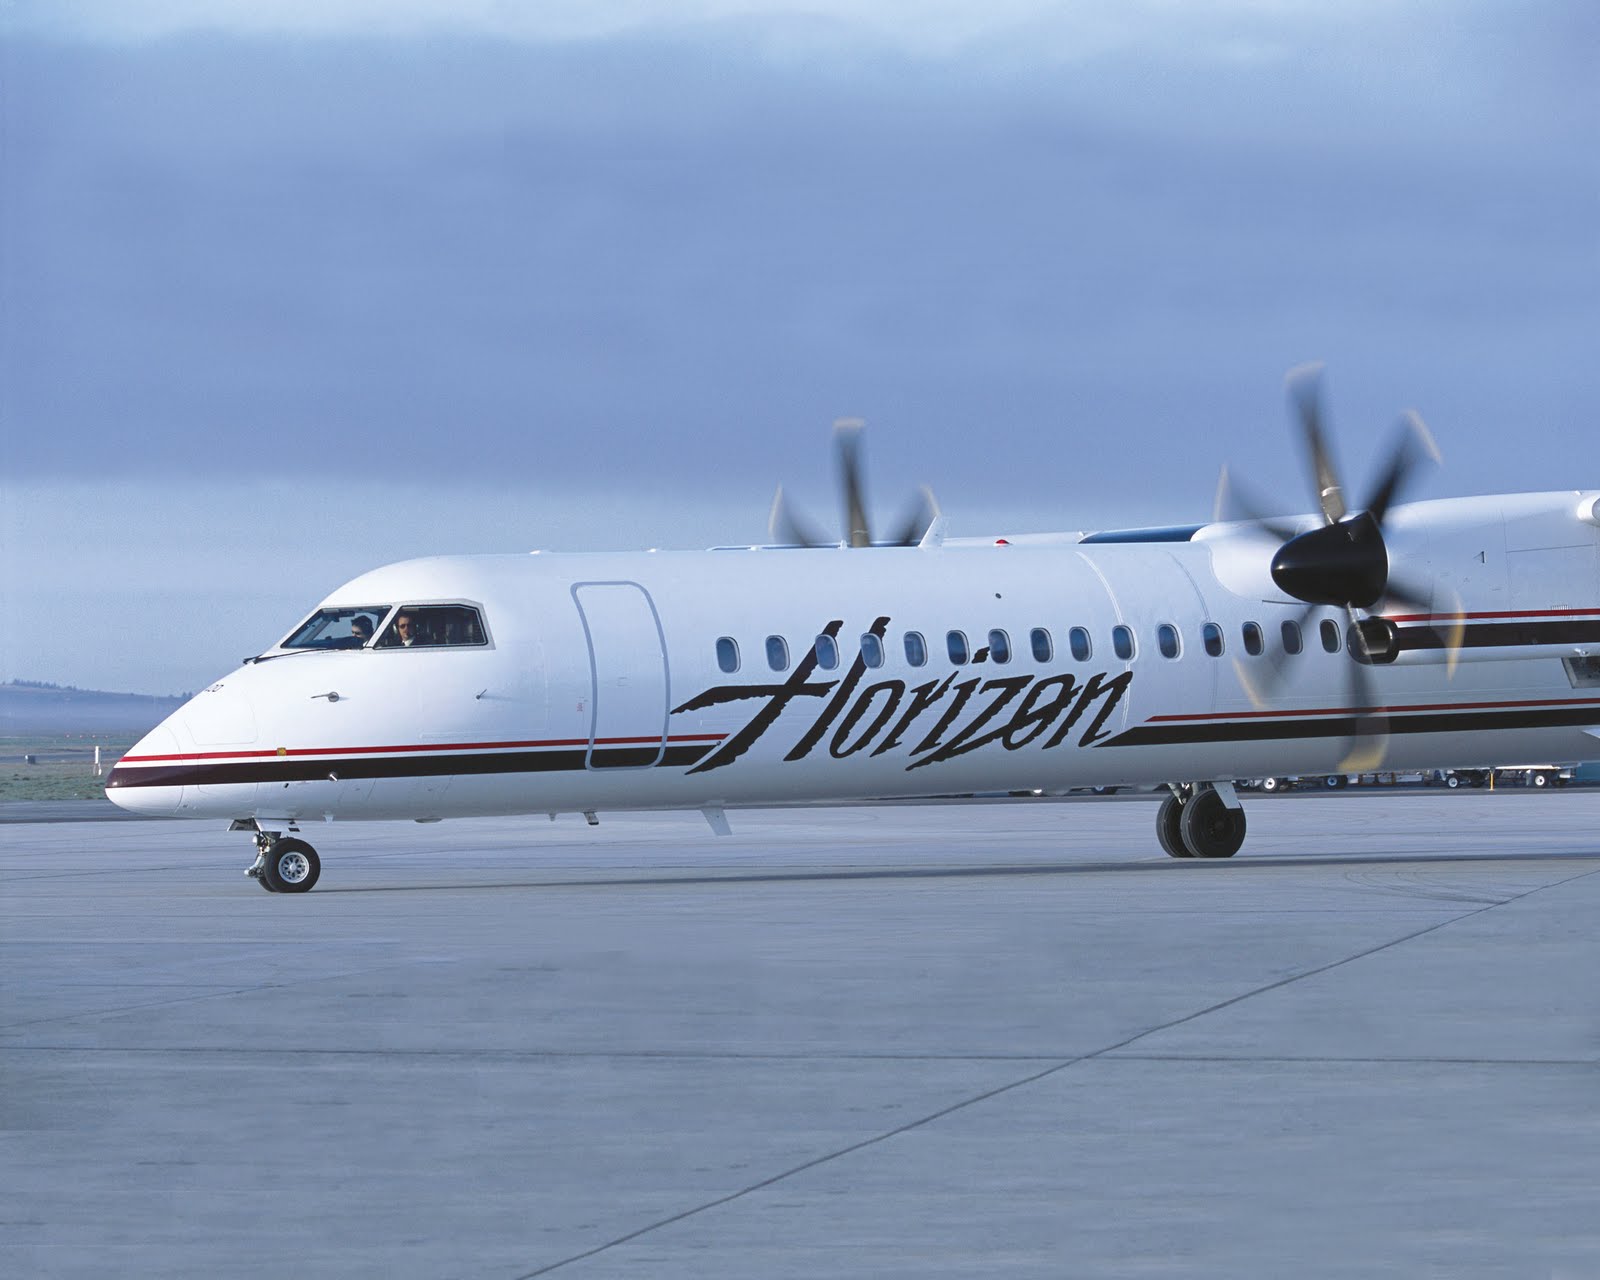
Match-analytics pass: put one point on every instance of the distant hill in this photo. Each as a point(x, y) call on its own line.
point(27, 709)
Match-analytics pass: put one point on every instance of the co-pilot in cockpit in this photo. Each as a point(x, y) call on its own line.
point(426, 626)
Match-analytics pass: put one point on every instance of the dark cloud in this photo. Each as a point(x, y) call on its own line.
point(673, 263)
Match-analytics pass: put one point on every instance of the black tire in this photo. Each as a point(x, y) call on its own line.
point(292, 866)
point(1210, 828)
point(1540, 780)
point(1270, 785)
point(1169, 827)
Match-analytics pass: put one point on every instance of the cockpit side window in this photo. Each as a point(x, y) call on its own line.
point(428, 626)
point(347, 628)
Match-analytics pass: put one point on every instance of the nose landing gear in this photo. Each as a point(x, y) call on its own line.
point(284, 866)
point(1198, 821)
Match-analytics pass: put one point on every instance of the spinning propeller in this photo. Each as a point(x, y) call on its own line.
point(1344, 563)
point(790, 528)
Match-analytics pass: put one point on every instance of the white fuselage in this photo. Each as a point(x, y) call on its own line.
point(599, 682)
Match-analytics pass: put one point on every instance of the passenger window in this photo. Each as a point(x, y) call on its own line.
point(428, 626)
point(1252, 639)
point(1330, 635)
point(727, 654)
point(1211, 637)
point(1078, 641)
point(1292, 642)
point(827, 653)
point(1167, 640)
point(916, 649)
point(348, 628)
point(777, 653)
point(999, 647)
point(1122, 642)
point(1043, 648)
point(871, 650)
point(955, 643)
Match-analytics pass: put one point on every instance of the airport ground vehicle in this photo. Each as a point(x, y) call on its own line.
point(1521, 775)
point(1533, 775)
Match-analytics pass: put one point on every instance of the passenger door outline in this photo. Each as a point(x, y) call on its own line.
point(630, 683)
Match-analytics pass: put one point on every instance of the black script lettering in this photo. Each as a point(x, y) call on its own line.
point(896, 690)
point(922, 697)
point(858, 668)
point(780, 695)
point(1009, 688)
point(1097, 687)
point(1115, 689)
point(963, 692)
point(1031, 719)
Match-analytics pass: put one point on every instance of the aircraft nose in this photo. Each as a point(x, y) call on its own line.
point(136, 781)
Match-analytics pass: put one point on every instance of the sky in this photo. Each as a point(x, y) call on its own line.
point(293, 288)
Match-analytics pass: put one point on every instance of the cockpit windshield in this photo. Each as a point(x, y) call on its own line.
point(425, 626)
point(348, 628)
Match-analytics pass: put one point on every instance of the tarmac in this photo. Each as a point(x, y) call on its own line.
point(966, 1040)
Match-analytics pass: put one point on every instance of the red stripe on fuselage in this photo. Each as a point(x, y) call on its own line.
point(276, 754)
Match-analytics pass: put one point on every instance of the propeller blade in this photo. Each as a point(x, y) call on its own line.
point(924, 511)
point(788, 528)
point(1305, 393)
point(1443, 606)
point(1412, 436)
point(1399, 591)
point(1262, 678)
point(1450, 617)
point(847, 443)
point(1236, 503)
point(1370, 742)
point(1445, 613)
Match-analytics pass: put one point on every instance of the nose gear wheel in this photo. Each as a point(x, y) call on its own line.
point(284, 866)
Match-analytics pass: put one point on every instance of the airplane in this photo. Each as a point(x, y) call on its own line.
point(1448, 633)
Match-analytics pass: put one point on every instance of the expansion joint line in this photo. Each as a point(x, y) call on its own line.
point(1325, 968)
point(1033, 1078)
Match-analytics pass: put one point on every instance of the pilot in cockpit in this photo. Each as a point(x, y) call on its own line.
point(361, 628)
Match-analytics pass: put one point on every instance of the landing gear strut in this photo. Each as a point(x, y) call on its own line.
point(284, 866)
point(1196, 821)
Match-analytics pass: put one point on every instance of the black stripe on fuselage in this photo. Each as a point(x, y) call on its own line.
point(1497, 635)
point(299, 769)
point(1160, 735)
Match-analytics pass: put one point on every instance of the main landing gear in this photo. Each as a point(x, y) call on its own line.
point(284, 866)
point(1201, 820)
